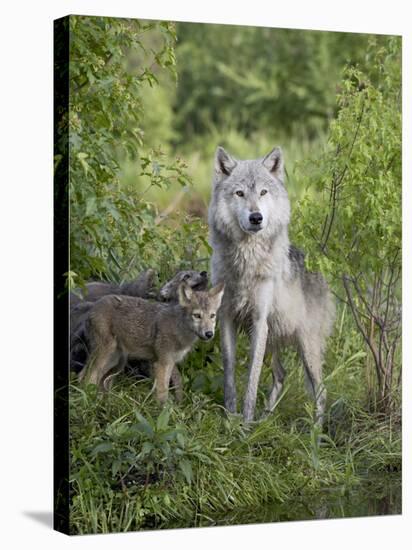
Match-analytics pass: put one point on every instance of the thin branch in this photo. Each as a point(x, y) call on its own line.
point(172, 206)
point(361, 328)
point(336, 183)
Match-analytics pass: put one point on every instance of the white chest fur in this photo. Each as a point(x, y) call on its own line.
point(180, 355)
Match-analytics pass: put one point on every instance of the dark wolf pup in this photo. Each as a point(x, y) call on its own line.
point(268, 291)
point(122, 327)
point(141, 287)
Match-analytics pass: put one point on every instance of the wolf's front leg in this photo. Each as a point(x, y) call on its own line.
point(228, 344)
point(162, 372)
point(176, 378)
point(257, 354)
point(263, 302)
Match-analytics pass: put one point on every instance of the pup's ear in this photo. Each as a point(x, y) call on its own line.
point(224, 163)
point(217, 293)
point(166, 291)
point(273, 162)
point(147, 278)
point(185, 294)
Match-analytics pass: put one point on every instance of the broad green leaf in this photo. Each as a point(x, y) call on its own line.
point(186, 469)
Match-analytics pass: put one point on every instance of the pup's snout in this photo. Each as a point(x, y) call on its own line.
point(203, 274)
point(208, 335)
point(255, 218)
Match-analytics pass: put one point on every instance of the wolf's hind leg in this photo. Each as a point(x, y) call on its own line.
point(110, 375)
point(312, 361)
point(101, 361)
point(278, 375)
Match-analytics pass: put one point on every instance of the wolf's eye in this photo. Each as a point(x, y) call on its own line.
point(197, 315)
point(212, 315)
point(240, 193)
point(263, 192)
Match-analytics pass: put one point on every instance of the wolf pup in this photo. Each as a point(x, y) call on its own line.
point(196, 280)
point(141, 287)
point(120, 327)
point(268, 291)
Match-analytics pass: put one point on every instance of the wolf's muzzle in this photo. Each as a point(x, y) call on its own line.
point(255, 218)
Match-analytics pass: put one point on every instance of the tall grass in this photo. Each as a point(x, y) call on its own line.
point(137, 467)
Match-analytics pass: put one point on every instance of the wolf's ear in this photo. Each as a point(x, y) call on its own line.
point(217, 293)
point(166, 291)
point(185, 294)
point(274, 163)
point(224, 163)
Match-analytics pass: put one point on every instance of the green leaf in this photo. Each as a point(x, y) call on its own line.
point(104, 447)
point(143, 426)
point(163, 420)
point(181, 439)
point(186, 468)
point(147, 448)
point(116, 467)
point(90, 206)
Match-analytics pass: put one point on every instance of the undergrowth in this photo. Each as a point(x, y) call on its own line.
point(137, 466)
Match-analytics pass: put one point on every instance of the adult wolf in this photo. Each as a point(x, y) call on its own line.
point(268, 291)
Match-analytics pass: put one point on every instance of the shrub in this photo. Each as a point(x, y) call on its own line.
point(111, 63)
point(356, 221)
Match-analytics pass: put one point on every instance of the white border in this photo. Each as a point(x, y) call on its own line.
point(26, 267)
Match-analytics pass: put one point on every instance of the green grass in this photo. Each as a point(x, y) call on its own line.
point(135, 466)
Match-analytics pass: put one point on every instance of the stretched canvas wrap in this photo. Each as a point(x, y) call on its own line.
point(262, 385)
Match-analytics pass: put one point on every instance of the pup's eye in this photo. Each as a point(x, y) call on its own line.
point(197, 315)
point(240, 193)
point(263, 192)
point(212, 315)
point(186, 277)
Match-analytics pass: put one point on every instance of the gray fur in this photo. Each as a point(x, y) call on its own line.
point(268, 291)
point(122, 327)
point(79, 346)
point(141, 287)
point(196, 280)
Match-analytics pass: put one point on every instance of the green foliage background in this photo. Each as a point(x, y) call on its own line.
point(112, 225)
point(149, 103)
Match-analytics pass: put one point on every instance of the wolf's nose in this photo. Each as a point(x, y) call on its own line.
point(209, 334)
point(203, 274)
point(256, 218)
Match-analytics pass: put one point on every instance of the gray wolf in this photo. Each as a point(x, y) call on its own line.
point(196, 280)
point(268, 291)
point(142, 287)
point(79, 346)
point(120, 327)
